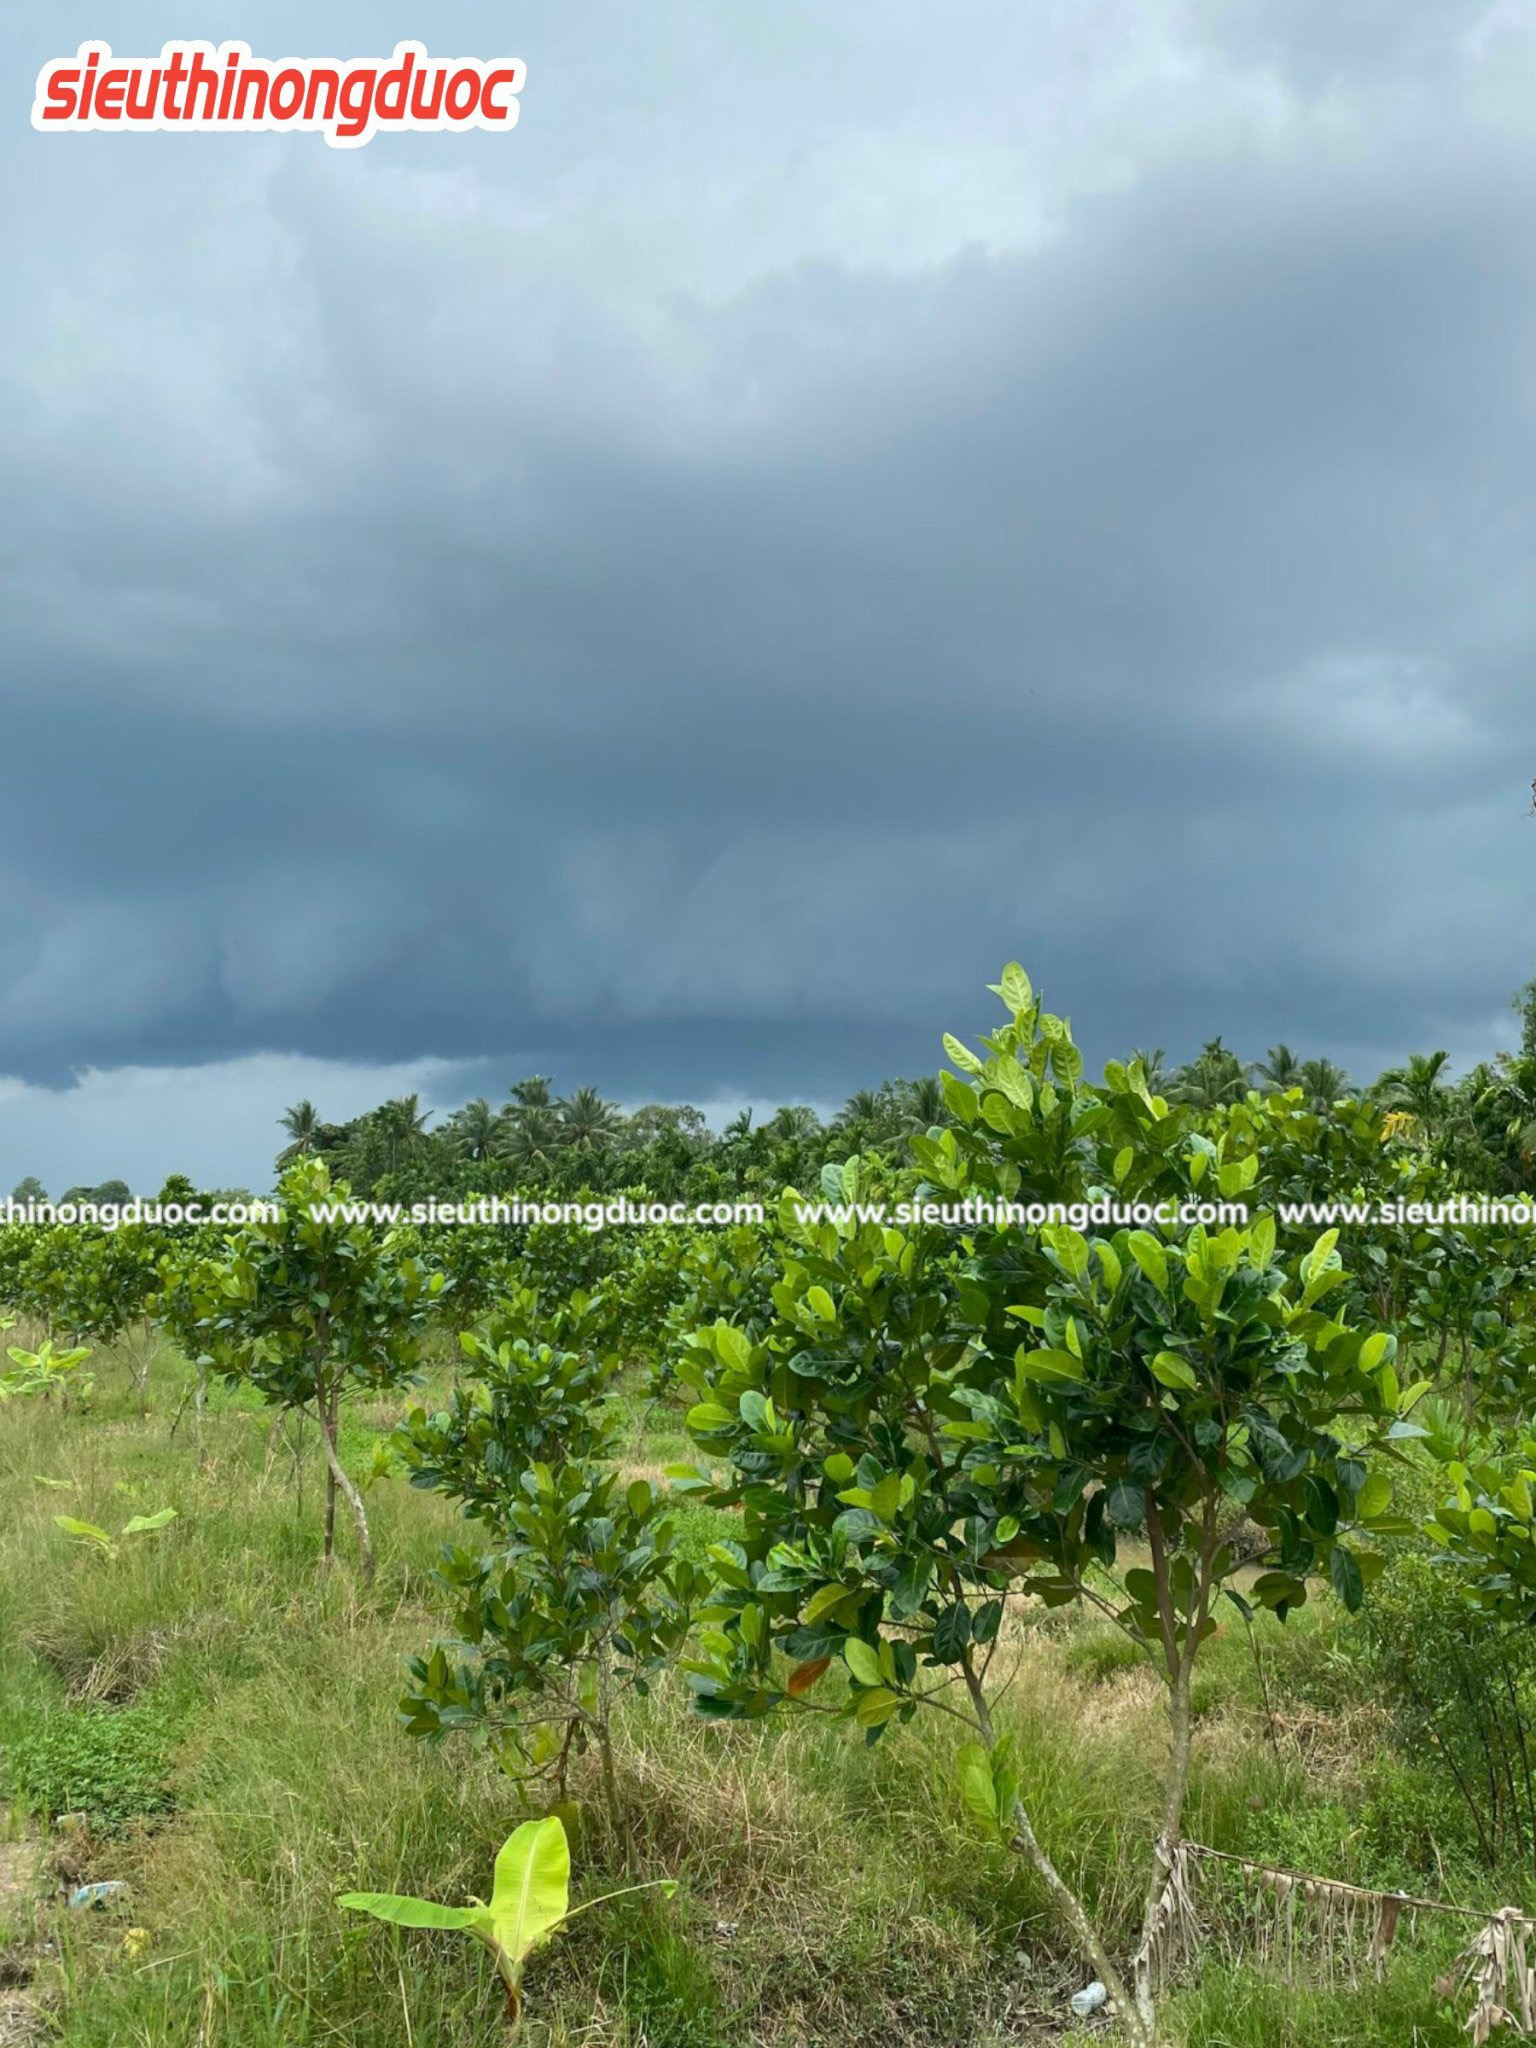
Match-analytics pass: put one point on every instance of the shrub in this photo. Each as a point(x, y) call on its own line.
point(1461, 1691)
point(110, 1763)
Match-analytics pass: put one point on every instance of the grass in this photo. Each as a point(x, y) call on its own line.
point(223, 1714)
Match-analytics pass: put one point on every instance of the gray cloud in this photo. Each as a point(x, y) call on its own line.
point(598, 598)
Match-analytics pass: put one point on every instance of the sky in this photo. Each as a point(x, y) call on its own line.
point(676, 595)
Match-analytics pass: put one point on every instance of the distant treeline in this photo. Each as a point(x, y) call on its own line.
point(1482, 1122)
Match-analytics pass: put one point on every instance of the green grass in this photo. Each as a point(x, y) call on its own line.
point(224, 1712)
point(111, 1764)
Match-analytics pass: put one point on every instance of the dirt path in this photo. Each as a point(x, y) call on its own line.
point(21, 1873)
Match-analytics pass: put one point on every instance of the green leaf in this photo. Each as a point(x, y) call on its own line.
point(1374, 1498)
point(961, 1101)
point(821, 1604)
point(1378, 1346)
point(874, 1709)
point(1126, 1504)
point(978, 1793)
point(531, 1894)
point(885, 1499)
point(1348, 1582)
point(1068, 1247)
point(1150, 1256)
point(732, 1348)
point(1050, 1366)
point(141, 1524)
point(83, 1532)
point(1010, 1079)
point(951, 1633)
point(961, 1055)
point(1169, 1370)
point(1015, 989)
point(406, 1912)
point(863, 1661)
point(706, 1417)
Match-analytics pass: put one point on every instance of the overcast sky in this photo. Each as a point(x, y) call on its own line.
point(676, 595)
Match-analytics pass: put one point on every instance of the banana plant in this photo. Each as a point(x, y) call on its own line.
point(529, 1902)
point(91, 1538)
point(45, 1371)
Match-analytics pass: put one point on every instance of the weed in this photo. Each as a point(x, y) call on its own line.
point(112, 1764)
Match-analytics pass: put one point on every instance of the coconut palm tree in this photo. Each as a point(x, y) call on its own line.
point(402, 1122)
point(1214, 1078)
point(532, 1093)
point(922, 1103)
point(474, 1131)
point(860, 1110)
point(1280, 1068)
point(529, 1140)
point(302, 1123)
point(1505, 1092)
point(588, 1122)
point(1418, 1090)
point(1322, 1083)
point(794, 1121)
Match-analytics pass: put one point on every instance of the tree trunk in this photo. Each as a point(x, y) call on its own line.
point(1026, 1843)
point(329, 1550)
point(1175, 1784)
point(340, 1481)
point(605, 1751)
point(1075, 1914)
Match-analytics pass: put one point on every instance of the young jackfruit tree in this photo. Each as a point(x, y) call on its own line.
point(307, 1306)
point(944, 1415)
point(96, 1284)
point(579, 1591)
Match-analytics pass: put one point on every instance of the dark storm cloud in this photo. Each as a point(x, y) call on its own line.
point(428, 644)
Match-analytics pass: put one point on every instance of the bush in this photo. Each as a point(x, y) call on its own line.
point(1461, 1692)
point(110, 1763)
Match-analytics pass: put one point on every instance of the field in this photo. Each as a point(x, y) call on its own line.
point(223, 1712)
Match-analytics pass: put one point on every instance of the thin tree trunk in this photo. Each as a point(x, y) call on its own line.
point(138, 1372)
point(605, 1751)
point(1026, 1843)
point(329, 1549)
point(341, 1480)
point(1175, 1785)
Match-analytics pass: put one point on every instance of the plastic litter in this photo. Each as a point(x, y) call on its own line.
point(1089, 1999)
point(97, 1894)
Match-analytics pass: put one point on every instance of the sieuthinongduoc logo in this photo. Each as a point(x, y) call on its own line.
point(226, 90)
